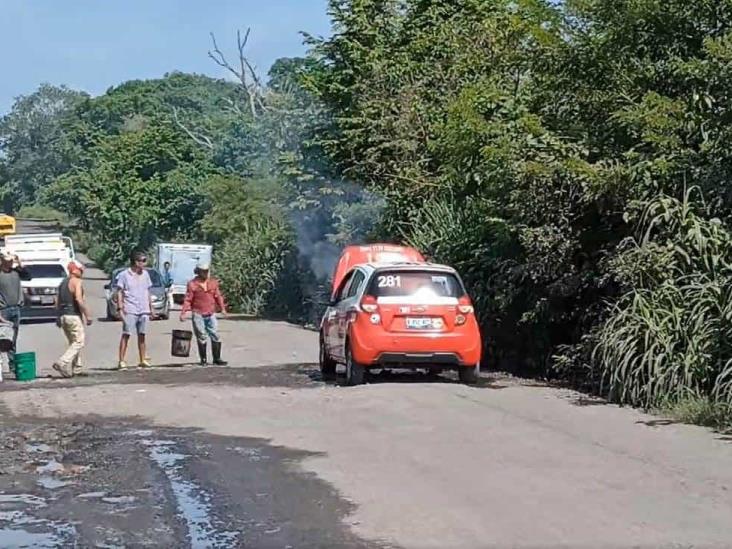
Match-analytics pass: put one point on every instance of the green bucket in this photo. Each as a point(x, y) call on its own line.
point(25, 366)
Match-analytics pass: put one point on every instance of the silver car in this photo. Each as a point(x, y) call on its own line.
point(159, 293)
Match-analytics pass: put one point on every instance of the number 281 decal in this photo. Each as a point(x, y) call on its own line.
point(390, 281)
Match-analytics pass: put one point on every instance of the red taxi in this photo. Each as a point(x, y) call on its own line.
point(392, 309)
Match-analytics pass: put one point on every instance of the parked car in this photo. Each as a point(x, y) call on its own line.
point(159, 292)
point(399, 314)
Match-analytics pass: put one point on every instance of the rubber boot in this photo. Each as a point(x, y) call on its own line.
point(216, 350)
point(202, 353)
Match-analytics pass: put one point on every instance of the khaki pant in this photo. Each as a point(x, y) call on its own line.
point(73, 327)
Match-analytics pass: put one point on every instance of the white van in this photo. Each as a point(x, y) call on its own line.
point(183, 259)
point(45, 257)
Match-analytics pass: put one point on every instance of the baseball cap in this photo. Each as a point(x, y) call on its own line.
point(6, 255)
point(75, 266)
point(203, 266)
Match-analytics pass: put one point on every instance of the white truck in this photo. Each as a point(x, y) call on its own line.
point(46, 257)
point(183, 259)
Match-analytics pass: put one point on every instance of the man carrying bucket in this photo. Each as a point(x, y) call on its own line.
point(203, 298)
point(11, 297)
point(73, 314)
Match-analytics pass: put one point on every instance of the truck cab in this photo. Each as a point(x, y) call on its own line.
point(7, 225)
point(46, 257)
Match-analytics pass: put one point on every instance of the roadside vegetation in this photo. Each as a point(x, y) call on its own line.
point(571, 159)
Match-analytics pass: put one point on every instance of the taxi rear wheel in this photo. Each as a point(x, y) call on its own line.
point(469, 374)
point(355, 372)
point(327, 364)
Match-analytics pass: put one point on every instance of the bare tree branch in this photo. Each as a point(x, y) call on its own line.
point(246, 73)
point(199, 138)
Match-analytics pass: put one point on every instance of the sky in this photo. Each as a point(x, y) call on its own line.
point(92, 45)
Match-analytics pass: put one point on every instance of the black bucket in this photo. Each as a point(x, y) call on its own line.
point(180, 345)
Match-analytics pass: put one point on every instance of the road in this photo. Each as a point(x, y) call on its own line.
point(263, 454)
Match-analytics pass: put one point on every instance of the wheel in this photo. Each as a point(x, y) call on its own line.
point(327, 364)
point(165, 315)
point(469, 374)
point(110, 316)
point(355, 372)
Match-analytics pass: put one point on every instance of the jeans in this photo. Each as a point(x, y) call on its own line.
point(12, 314)
point(203, 325)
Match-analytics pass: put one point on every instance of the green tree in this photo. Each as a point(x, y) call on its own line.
point(34, 149)
point(522, 141)
point(141, 186)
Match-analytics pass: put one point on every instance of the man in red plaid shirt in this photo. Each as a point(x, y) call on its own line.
point(204, 300)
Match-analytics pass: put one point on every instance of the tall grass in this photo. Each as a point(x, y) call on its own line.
point(669, 339)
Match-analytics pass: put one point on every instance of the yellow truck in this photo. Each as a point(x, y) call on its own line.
point(7, 225)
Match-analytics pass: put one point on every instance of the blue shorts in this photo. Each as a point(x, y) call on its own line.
point(135, 324)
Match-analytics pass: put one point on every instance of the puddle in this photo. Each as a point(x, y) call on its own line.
point(21, 499)
point(39, 448)
point(51, 483)
point(191, 501)
point(120, 499)
point(10, 537)
point(140, 432)
point(92, 495)
point(252, 454)
point(23, 530)
point(52, 466)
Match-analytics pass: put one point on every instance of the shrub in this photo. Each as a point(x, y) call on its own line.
point(669, 338)
point(251, 263)
point(43, 213)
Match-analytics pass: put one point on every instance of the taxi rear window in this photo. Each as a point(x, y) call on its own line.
point(409, 283)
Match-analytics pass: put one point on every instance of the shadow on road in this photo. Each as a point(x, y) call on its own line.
point(658, 422)
point(297, 375)
point(588, 401)
point(32, 321)
point(174, 375)
point(407, 377)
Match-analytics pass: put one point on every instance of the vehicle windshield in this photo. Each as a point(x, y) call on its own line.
point(43, 270)
point(155, 277)
point(398, 283)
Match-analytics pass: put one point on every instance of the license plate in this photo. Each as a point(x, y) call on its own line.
point(419, 323)
point(47, 300)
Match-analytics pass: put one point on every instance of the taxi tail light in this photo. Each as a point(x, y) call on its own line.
point(369, 305)
point(465, 306)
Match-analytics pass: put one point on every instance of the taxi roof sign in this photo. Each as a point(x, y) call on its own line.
point(372, 253)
